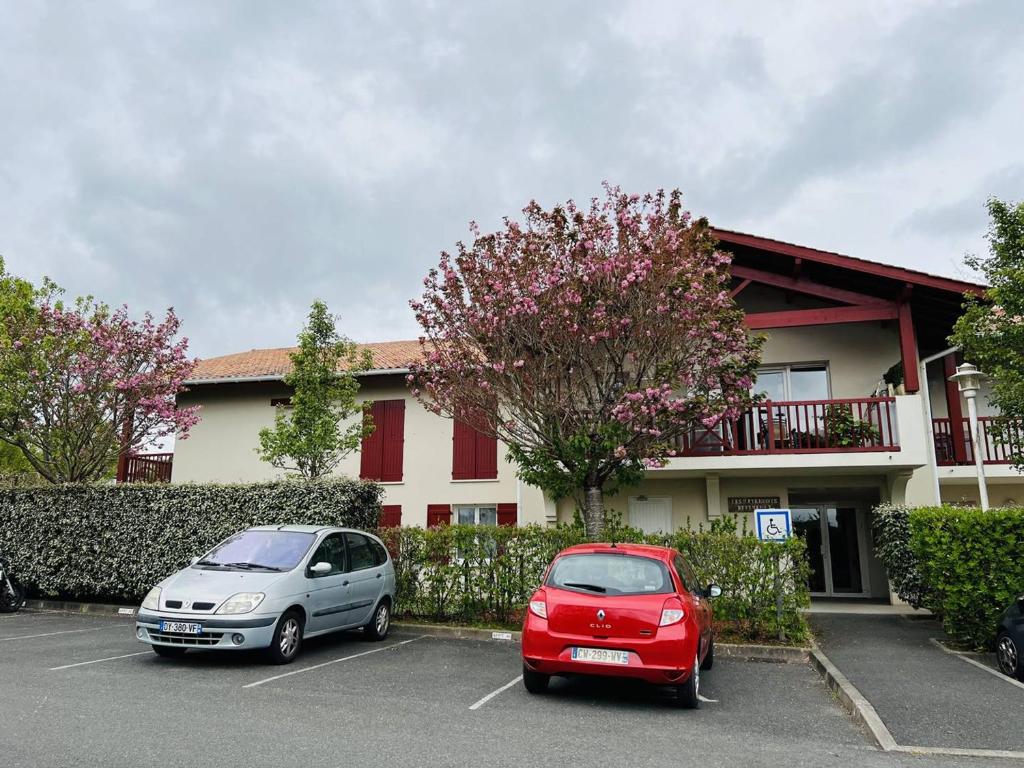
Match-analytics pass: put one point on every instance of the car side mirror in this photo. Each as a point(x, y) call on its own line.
point(193, 561)
point(1020, 603)
point(320, 569)
point(713, 590)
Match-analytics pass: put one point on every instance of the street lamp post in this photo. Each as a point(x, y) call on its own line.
point(968, 379)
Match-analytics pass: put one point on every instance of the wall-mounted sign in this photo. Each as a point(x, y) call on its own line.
point(773, 524)
point(739, 504)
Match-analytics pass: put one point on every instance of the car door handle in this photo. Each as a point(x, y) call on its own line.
point(344, 583)
point(380, 575)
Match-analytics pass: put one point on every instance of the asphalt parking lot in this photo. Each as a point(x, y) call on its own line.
point(78, 690)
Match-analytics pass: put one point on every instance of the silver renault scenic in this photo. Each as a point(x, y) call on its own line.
point(270, 587)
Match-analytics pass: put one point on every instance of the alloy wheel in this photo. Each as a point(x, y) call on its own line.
point(1006, 654)
point(696, 675)
point(383, 617)
point(289, 642)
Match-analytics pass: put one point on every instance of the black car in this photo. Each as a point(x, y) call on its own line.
point(1010, 640)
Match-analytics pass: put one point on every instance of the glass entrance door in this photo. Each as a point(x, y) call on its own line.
point(835, 543)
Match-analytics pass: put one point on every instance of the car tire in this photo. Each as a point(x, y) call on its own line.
point(688, 694)
point(168, 651)
point(287, 640)
point(1008, 655)
point(379, 625)
point(709, 657)
point(535, 682)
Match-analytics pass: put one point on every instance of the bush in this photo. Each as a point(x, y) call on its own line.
point(485, 575)
point(972, 563)
point(891, 524)
point(113, 542)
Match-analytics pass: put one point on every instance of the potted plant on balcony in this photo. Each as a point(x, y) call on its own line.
point(894, 378)
point(844, 430)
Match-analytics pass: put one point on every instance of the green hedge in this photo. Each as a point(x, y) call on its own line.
point(113, 542)
point(891, 524)
point(972, 563)
point(485, 575)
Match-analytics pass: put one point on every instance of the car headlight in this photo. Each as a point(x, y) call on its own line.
point(243, 602)
point(152, 600)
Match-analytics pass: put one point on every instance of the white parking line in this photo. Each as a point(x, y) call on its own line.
point(333, 661)
point(62, 632)
point(97, 661)
point(492, 694)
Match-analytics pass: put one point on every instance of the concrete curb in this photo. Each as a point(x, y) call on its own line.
point(853, 700)
point(461, 633)
point(779, 654)
point(68, 606)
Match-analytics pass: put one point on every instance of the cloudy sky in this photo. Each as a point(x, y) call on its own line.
point(238, 159)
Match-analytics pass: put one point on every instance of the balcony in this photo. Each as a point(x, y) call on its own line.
point(145, 468)
point(954, 447)
point(866, 424)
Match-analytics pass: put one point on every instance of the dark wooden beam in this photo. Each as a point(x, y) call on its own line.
point(954, 409)
point(807, 287)
point(828, 316)
point(908, 349)
point(739, 289)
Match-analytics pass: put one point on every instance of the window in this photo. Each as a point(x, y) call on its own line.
point(686, 575)
point(284, 402)
point(380, 555)
point(359, 552)
point(331, 550)
point(804, 381)
point(264, 550)
point(383, 449)
point(474, 455)
point(609, 574)
point(487, 515)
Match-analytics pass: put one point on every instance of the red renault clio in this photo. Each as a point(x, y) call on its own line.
point(620, 610)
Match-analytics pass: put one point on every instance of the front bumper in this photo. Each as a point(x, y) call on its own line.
point(664, 660)
point(220, 632)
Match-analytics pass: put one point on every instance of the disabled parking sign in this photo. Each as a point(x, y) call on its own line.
point(773, 524)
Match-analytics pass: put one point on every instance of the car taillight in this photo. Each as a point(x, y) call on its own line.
point(671, 613)
point(539, 608)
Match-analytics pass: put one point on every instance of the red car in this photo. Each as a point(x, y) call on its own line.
point(620, 610)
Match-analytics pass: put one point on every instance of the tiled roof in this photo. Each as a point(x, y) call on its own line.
point(275, 363)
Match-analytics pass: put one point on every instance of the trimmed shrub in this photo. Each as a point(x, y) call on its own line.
point(485, 575)
point(113, 542)
point(973, 564)
point(891, 524)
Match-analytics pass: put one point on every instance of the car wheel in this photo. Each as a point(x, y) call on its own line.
point(287, 641)
point(380, 622)
point(168, 651)
point(1008, 656)
point(709, 657)
point(688, 694)
point(535, 682)
point(11, 599)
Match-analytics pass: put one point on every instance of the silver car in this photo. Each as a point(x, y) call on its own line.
point(270, 587)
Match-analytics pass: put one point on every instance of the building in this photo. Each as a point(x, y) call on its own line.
point(832, 440)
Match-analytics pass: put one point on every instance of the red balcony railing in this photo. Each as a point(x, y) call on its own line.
point(801, 426)
point(145, 468)
point(953, 444)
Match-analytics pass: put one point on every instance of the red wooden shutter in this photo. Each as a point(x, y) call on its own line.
point(463, 451)
point(390, 515)
point(438, 515)
point(373, 443)
point(508, 514)
point(486, 457)
point(392, 444)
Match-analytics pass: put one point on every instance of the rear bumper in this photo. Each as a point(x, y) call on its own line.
point(665, 660)
point(218, 632)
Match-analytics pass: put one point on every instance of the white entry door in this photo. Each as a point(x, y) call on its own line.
point(651, 514)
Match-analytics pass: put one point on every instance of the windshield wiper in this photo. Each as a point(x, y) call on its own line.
point(588, 587)
point(209, 562)
point(250, 566)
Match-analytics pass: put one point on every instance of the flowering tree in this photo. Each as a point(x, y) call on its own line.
point(317, 430)
point(588, 340)
point(82, 383)
point(991, 330)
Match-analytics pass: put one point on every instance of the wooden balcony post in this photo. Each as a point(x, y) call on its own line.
point(954, 409)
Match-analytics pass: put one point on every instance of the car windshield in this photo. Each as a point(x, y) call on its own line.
point(608, 574)
point(259, 550)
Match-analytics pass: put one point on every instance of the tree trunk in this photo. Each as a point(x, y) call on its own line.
point(593, 513)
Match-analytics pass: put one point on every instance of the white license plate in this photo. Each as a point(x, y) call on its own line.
point(181, 627)
point(600, 655)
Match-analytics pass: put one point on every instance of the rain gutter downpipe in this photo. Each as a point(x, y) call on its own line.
point(928, 417)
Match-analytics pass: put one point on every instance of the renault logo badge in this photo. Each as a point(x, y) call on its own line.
point(600, 615)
